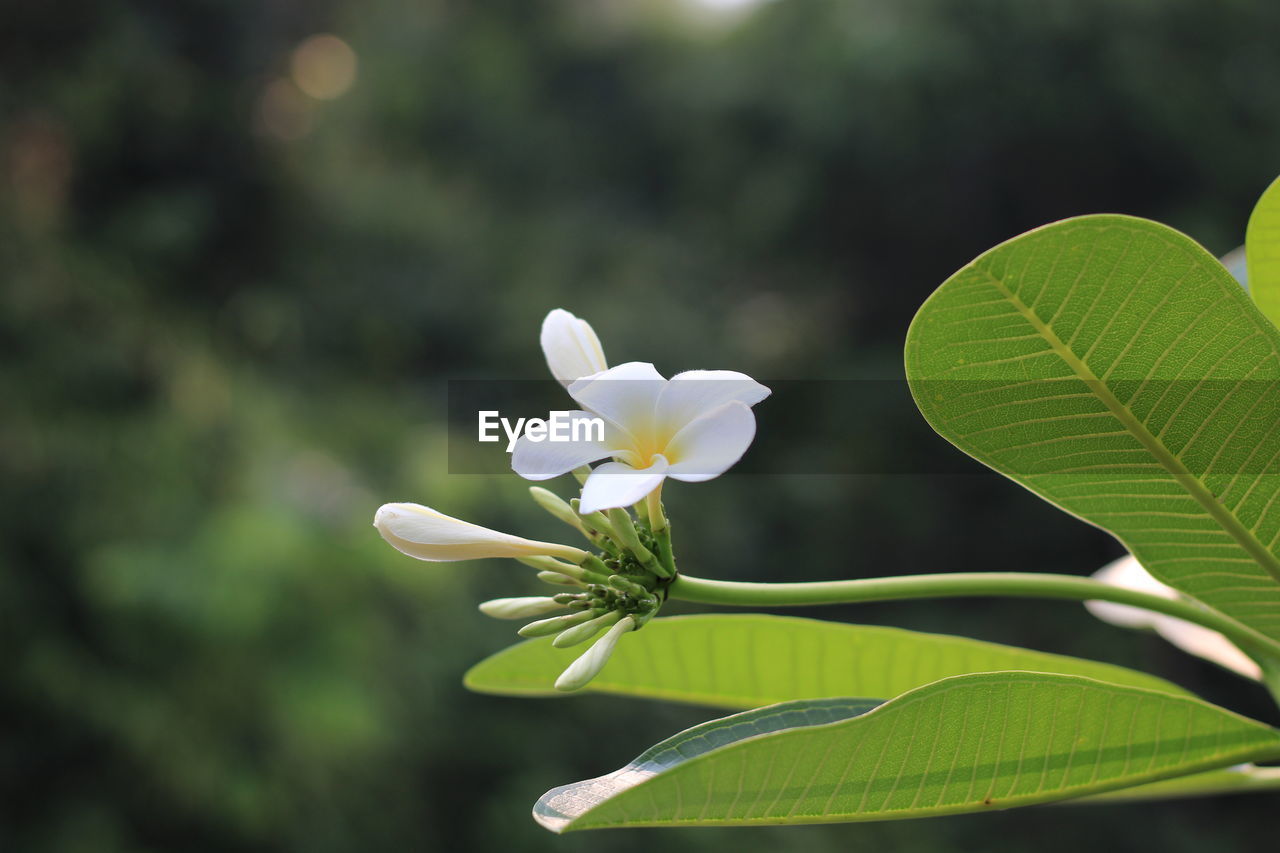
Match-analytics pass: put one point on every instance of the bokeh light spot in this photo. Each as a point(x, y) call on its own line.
point(323, 66)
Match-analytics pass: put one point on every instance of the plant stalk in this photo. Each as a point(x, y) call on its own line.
point(976, 584)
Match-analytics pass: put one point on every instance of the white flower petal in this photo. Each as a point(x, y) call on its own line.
point(571, 347)
point(626, 395)
point(421, 532)
point(711, 444)
point(694, 393)
point(1210, 645)
point(542, 460)
point(1191, 638)
point(615, 484)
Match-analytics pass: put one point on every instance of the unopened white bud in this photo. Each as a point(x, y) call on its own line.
point(421, 532)
point(519, 608)
point(588, 665)
point(557, 579)
point(571, 347)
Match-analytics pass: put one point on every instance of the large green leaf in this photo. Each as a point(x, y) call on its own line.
point(1114, 367)
point(749, 660)
point(963, 744)
point(1262, 252)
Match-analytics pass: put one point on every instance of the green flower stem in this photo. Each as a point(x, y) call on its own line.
point(665, 554)
point(972, 584)
point(657, 518)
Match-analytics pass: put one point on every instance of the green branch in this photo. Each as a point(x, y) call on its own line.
point(970, 584)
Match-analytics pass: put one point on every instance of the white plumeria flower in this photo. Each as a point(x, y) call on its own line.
point(571, 347)
point(1127, 572)
point(692, 427)
point(421, 532)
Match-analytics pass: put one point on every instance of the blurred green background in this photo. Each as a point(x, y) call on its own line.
point(241, 262)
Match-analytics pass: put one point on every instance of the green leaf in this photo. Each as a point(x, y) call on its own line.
point(1114, 367)
point(963, 744)
point(749, 660)
point(1235, 263)
point(1262, 252)
point(556, 807)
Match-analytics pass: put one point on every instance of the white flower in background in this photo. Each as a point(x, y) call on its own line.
point(422, 532)
point(691, 427)
point(571, 347)
point(1127, 572)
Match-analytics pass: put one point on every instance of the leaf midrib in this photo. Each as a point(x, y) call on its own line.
point(1166, 457)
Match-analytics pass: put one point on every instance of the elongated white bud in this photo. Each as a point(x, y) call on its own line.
point(520, 608)
point(588, 666)
point(422, 532)
point(557, 579)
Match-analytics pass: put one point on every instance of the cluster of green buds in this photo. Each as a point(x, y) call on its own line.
point(617, 589)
